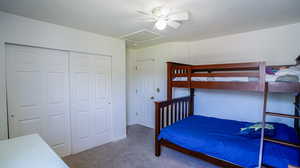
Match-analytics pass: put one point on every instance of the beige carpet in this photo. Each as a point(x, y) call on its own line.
point(136, 151)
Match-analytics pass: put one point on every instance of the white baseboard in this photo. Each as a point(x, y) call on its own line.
point(119, 138)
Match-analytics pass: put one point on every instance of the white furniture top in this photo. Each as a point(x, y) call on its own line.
point(28, 151)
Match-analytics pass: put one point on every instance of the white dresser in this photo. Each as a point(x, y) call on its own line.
point(28, 152)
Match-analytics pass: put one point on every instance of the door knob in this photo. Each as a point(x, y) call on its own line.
point(12, 116)
point(151, 97)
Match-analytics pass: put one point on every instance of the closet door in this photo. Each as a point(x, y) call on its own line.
point(90, 100)
point(38, 97)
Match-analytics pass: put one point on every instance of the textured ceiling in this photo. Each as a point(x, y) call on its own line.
point(209, 18)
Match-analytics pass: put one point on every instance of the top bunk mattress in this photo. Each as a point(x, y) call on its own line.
point(269, 78)
point(291, 74)
point(220, 138)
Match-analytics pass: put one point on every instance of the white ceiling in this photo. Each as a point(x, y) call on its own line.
point(209, 18)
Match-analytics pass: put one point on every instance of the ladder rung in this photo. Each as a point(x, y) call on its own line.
point(282, 142)
point(283, 115)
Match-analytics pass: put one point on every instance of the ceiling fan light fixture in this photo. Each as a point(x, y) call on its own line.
point(165, 17)
point(161, 24)
point(165, 11)
point(161, 11)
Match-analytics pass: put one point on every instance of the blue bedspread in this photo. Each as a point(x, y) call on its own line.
point(220, 138)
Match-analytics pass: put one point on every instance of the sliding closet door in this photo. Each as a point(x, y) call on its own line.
point(38, 97)
point(90, 100)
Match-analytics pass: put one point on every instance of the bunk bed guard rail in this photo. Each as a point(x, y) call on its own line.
point(251, 69)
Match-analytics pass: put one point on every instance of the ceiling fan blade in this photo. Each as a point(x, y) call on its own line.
point(144, 13)
point(146, 19)
point(173, 24)
point(181, 16)
point(150, 20)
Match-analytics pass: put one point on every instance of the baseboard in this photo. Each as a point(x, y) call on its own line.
point(131, 123)
point(119, 138)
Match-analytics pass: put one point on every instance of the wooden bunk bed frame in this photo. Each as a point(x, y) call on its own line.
point(172, 110)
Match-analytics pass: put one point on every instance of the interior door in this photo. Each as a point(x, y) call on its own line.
point(37, 93)
point(90, 100)
point(145, 91)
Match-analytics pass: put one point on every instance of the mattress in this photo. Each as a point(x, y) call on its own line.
point(269, 78)
point(220, 138)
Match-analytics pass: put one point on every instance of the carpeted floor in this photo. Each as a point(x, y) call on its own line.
point(136, 151)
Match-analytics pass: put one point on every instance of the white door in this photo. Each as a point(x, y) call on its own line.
point(90, 100)
point(146, 91)
point(37, 94)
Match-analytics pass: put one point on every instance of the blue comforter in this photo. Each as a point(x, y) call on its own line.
point(221, 139)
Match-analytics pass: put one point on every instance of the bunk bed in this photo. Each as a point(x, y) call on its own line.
point(177, 127)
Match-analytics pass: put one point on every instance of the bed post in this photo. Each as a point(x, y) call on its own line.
point(296, 121)
point(262, 76)
point(192, 94)
point(169, 80)
point(157, 129)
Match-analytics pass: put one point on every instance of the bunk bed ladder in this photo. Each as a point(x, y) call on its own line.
point(265, 113)
point(266, 92)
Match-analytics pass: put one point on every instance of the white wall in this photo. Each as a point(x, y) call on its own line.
point(130, 87)
point(279, 45)
point(20, 30)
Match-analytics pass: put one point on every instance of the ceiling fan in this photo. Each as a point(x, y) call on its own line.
point(163, 17)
